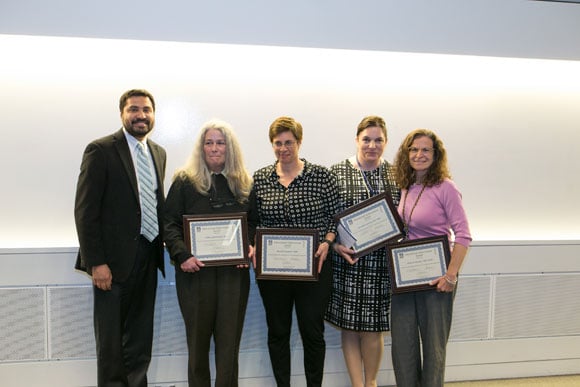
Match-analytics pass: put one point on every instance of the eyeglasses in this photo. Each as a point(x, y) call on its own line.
point(211, 143)
point(425, 151)
point(289, 144)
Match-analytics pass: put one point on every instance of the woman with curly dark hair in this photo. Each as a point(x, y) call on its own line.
point(430, 206)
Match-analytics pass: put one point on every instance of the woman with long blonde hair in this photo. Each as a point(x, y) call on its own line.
point(212, 299)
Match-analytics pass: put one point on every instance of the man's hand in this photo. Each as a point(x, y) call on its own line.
point(102, 277)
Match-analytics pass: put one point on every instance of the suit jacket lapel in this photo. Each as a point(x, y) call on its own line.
point(125, 154)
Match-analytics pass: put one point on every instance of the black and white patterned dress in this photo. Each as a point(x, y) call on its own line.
point(360, 297)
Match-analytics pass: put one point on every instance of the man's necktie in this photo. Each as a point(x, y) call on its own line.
point(149, 224)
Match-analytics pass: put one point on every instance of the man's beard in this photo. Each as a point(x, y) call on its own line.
point(137, 131)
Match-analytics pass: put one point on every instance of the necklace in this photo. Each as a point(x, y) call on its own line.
point(370, 190)
point(406, 222)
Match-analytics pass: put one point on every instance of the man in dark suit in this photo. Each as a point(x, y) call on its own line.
point(121, 241)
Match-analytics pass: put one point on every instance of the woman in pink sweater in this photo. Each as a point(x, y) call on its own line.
point(430, 205)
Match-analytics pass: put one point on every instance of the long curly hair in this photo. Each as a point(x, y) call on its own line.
point(196, 170)
point(438, 171)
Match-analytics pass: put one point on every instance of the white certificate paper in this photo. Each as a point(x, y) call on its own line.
point(417, 266)
point(415, 263)
point(216, 239)
point(286, 254)
point(369, 225)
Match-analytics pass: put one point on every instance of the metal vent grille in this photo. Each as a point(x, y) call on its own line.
point(254, 336)
point(71, 322)
point(537, 305)
point(22, 324)
point(169, 330)
point(471, 310)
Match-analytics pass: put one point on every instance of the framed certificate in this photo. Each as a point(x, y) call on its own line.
point(414, 263)
point(217, 240)
point(286, 254)
point(368, 225)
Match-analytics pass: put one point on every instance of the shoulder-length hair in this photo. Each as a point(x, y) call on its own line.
point(437, 172)
point(196, 170)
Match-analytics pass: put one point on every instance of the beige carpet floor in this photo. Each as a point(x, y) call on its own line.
point(551, 381)
point(543, 381)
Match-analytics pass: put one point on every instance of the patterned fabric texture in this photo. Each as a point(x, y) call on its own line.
point(308, 202)
point(360, 297)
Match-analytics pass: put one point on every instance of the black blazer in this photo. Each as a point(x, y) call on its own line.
point(107, 211)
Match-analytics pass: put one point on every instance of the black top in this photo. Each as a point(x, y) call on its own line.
point(184, 199)
point(309, 201)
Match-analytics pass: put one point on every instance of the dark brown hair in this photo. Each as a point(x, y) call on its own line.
point(372, 121)
point(438, 171)
point(135, 93)
point(285, 124)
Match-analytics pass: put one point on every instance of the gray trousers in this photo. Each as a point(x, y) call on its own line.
point(420, 323)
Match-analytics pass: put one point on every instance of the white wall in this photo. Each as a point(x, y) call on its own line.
point(509, 124)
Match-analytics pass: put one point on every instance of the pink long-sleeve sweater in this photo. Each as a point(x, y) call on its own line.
point(438, 211)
